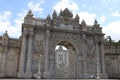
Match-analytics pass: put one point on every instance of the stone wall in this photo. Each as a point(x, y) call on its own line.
point(9, 56)
point(112, 58)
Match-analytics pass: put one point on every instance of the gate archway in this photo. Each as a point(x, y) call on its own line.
point(65, 60)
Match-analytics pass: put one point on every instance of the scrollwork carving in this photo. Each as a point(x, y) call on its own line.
point(91, 47)
point(39, 43)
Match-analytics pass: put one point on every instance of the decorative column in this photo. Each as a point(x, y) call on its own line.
point(101, 63)
point(85, 73)
point(97, 57)
point(30, 51)
point(46, 73)
point(22, 57)
point(52, 59)
point(103, 58)
point(97, 52)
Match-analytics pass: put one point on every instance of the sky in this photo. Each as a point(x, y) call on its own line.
point(107, 13)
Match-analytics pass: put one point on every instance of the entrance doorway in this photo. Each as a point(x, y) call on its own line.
point(65, 60)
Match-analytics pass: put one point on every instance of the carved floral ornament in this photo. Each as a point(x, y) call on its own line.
point(39, 43)
point(66, 20)
point(91, 47)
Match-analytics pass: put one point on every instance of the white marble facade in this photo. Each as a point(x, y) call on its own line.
point(19, 58)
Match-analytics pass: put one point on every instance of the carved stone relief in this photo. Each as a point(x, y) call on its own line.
point(66, 35)
point(91, 57)
point(91, 48)
point(11, 63)
point(39, 43)
point(35, 63)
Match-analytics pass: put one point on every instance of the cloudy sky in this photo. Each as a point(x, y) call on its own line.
point(107, 13)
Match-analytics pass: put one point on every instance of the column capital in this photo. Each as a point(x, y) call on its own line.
point(84, 37)
point(97, 40)
point(31, 34)
point(30, 52)
point(22, 55)
point(25, 33)
point(47, 33)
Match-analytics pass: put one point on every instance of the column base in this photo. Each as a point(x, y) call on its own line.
point(46, 75)
point(38, 76)
point(27, 75)
point(94, 76)
point(103, 76)
point(86, 76)
point(2, 74)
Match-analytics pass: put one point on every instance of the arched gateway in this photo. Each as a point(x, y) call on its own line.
point(65, 60)
point(83, 57)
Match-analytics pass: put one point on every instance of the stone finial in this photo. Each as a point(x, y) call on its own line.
point(60, 12)
point(48, 17)
point(54, 14)
point(6, 34)
point(95, 22)
point(83, 23)
point(67, 13)
point(30, 13)
point(77, 18)
point(48, 20)
point(29, 19)
point(97, 27)
point(5, 39)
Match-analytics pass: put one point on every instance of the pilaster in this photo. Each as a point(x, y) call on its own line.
point(22, 57)
point(102, 56)
point(84, 49)
point(100, 59)
point(104, 74)
point(97, 57)
point(30, 51)
point(46, 73)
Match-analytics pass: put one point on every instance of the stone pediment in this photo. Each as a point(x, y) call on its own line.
point(66, 13)
point(65, 20)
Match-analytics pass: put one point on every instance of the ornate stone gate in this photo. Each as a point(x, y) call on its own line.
point(41, 36)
